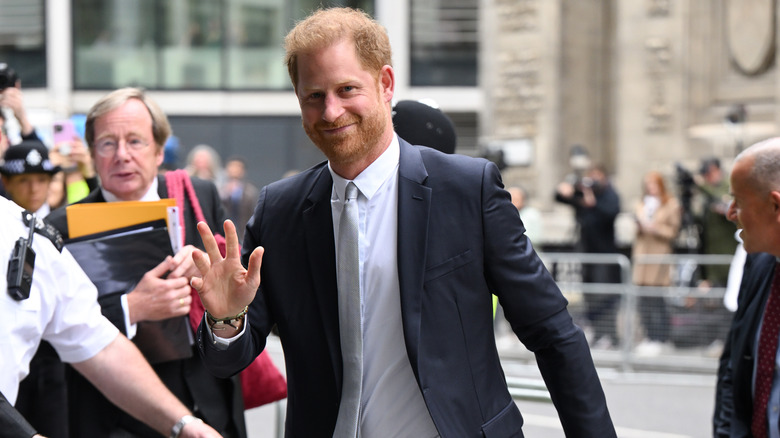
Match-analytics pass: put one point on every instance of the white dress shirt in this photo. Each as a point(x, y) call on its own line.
point(150, 195)
point(391, 402)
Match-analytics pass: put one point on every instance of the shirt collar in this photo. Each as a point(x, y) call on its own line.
point(372, 177)
point(44, 210)
point(150, 195)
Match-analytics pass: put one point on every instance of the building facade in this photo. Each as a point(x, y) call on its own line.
point(641, 85)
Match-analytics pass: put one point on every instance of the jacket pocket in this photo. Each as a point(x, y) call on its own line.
point(507, 423)
point(448, 265)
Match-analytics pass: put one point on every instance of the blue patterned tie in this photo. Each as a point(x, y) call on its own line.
point(350, 327)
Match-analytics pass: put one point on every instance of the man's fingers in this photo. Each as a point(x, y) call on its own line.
point(197, 283)
point(161, 269)
point(232, 248)
point(201, 262)
point(253, 268)
point(208, 241)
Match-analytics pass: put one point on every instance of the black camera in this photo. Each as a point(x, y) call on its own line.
point(8, 76)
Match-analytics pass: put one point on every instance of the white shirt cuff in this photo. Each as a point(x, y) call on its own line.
point(131, 329)
point(223, 343)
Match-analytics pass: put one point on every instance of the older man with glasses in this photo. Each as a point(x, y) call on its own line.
point(126, 132)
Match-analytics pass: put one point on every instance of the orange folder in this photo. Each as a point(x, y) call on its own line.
point(85, 219)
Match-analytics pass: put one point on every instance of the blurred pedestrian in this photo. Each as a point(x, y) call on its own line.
point(530, 215)
point(12, 98)
point(717, 234)
point(596, 206)
point(204, 162)
point(239, 196)
point(658, 217)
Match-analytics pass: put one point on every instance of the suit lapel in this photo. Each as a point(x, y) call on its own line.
point(414, 202)
point(321, 253)
point(162, 186)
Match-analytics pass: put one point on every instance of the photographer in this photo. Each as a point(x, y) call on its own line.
point(717, 231)
point(596, 206)
point(12, 104)
point(11, 98)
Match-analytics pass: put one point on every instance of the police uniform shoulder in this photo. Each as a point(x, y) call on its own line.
point(44, 229)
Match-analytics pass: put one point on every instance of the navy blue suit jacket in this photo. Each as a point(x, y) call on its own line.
point(459, 239)
point(734, 392)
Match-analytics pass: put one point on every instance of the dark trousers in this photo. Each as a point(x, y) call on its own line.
point(655, 318)
point(42, 398)
point(601, 308)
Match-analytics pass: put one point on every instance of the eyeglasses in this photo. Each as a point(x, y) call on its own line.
point(107, 147)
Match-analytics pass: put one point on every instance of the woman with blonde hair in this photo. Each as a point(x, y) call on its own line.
point(658, 217)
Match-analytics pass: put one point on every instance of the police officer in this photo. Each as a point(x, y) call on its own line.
point(62, 308)
point(27, 174)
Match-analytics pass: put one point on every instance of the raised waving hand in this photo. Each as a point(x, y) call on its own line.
point(225, 286)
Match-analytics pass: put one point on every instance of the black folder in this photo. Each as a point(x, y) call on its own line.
point(115, 261)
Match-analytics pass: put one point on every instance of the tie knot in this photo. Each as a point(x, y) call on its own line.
point(351, 192)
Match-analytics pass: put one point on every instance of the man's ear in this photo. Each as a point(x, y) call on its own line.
point(387, 83)
point(774, 198)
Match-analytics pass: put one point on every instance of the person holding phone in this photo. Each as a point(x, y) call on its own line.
point(11, 99)
point(79, 176)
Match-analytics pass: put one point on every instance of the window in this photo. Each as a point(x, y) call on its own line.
point(23, 40)
point(186, 44)
point(444, 42)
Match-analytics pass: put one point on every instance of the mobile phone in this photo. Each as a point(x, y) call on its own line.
point(64, 131)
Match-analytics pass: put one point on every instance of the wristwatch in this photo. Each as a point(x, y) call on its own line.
point(183, 421)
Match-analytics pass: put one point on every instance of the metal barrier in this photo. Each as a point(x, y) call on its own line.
point(629, 293)
point(521, 388)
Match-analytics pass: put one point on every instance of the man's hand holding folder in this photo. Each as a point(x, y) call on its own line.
point(156, 297)
point(138, 261)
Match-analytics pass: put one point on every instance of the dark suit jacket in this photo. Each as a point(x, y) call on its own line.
point(12, 423)
point(459, 239)
point(219, 401)
point(733, 396)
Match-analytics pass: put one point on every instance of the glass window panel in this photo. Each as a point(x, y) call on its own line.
point(187, 44)
point(23, 40)
point(191, 53)
point(114, 43)
point(444, 42)
point(255, 56)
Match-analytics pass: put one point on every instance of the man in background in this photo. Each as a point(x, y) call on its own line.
point(748, 388)
point(596, 206)
point(239, 196)
point(126, 131)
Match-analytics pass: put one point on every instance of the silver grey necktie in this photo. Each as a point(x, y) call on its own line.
point(350, 329)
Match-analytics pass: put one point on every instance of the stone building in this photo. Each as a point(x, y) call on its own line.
point(641, 84)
